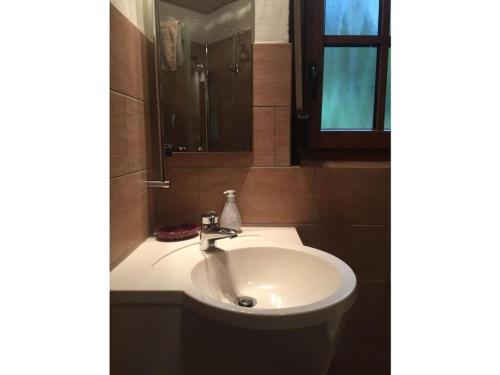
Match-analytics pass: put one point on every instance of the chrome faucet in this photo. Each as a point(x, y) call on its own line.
point(210, 231)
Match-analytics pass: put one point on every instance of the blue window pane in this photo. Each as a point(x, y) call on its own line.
point(348, 87)
point(387, 118)
point(351, 17)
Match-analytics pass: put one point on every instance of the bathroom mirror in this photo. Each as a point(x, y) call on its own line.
point(204, 74)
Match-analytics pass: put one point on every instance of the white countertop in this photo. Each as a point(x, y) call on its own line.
point(315, 284)
point(135, 273)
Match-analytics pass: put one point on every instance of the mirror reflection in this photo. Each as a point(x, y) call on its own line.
point(205, 74)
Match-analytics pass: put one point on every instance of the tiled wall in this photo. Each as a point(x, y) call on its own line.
point(290, 195)
point(130, 97)
point(272, 98)
point(340, 207)
point(364, 345)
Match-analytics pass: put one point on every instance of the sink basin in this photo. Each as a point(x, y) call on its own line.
point(277, 278)
point(300, 285)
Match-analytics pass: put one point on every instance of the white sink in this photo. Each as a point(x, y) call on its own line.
point(301, 285)
point(301, 295)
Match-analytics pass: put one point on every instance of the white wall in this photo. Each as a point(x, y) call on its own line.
point(214, 26)
point(271, 21)
point(270, 17)
point(139, 12)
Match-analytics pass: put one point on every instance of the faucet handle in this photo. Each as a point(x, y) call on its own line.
point(209, 218)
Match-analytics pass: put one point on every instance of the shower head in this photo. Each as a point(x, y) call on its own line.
point(200, 68)
point(197, 66)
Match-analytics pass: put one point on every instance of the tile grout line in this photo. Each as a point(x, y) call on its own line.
point(116, 92)
point(128, 174)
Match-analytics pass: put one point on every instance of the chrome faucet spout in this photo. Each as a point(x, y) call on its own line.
point(211, 232)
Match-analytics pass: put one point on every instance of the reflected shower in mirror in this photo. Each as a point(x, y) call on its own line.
point(204, 75)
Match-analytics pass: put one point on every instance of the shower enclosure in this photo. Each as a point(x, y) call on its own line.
point(205, 85)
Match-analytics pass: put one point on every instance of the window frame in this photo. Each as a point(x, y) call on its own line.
point(314, 43)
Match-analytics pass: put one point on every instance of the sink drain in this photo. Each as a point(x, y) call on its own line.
point(246, 301)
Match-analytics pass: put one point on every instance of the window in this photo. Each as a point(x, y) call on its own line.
point(347, 73)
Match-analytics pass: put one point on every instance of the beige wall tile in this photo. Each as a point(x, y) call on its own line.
point(352, 195)
point(138, 339)
point(118, 136)
point(271, 93)
point(370, 312)
point(361, 354)
point(283, 136)
point(214, 181)
point(372, 248)
point(151, 130)
point(137, 127)
point(264, 136)
point(264, 195)
point(129, 223)
point(272, 74)
point(180, 203)
point(209, 159)
point(365, 248)
point(131, 71)
point(272, 61)
point(131, 58)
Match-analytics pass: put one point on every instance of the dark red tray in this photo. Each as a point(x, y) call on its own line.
point(177, 232)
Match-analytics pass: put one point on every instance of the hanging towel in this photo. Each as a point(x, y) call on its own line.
point(181, 41)
point(168, 41)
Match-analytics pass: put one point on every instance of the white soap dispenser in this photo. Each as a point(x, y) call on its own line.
point(230, 217)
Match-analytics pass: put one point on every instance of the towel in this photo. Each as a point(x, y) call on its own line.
point(168, 42)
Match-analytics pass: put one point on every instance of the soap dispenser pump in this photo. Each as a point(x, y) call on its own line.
point(230, 217)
